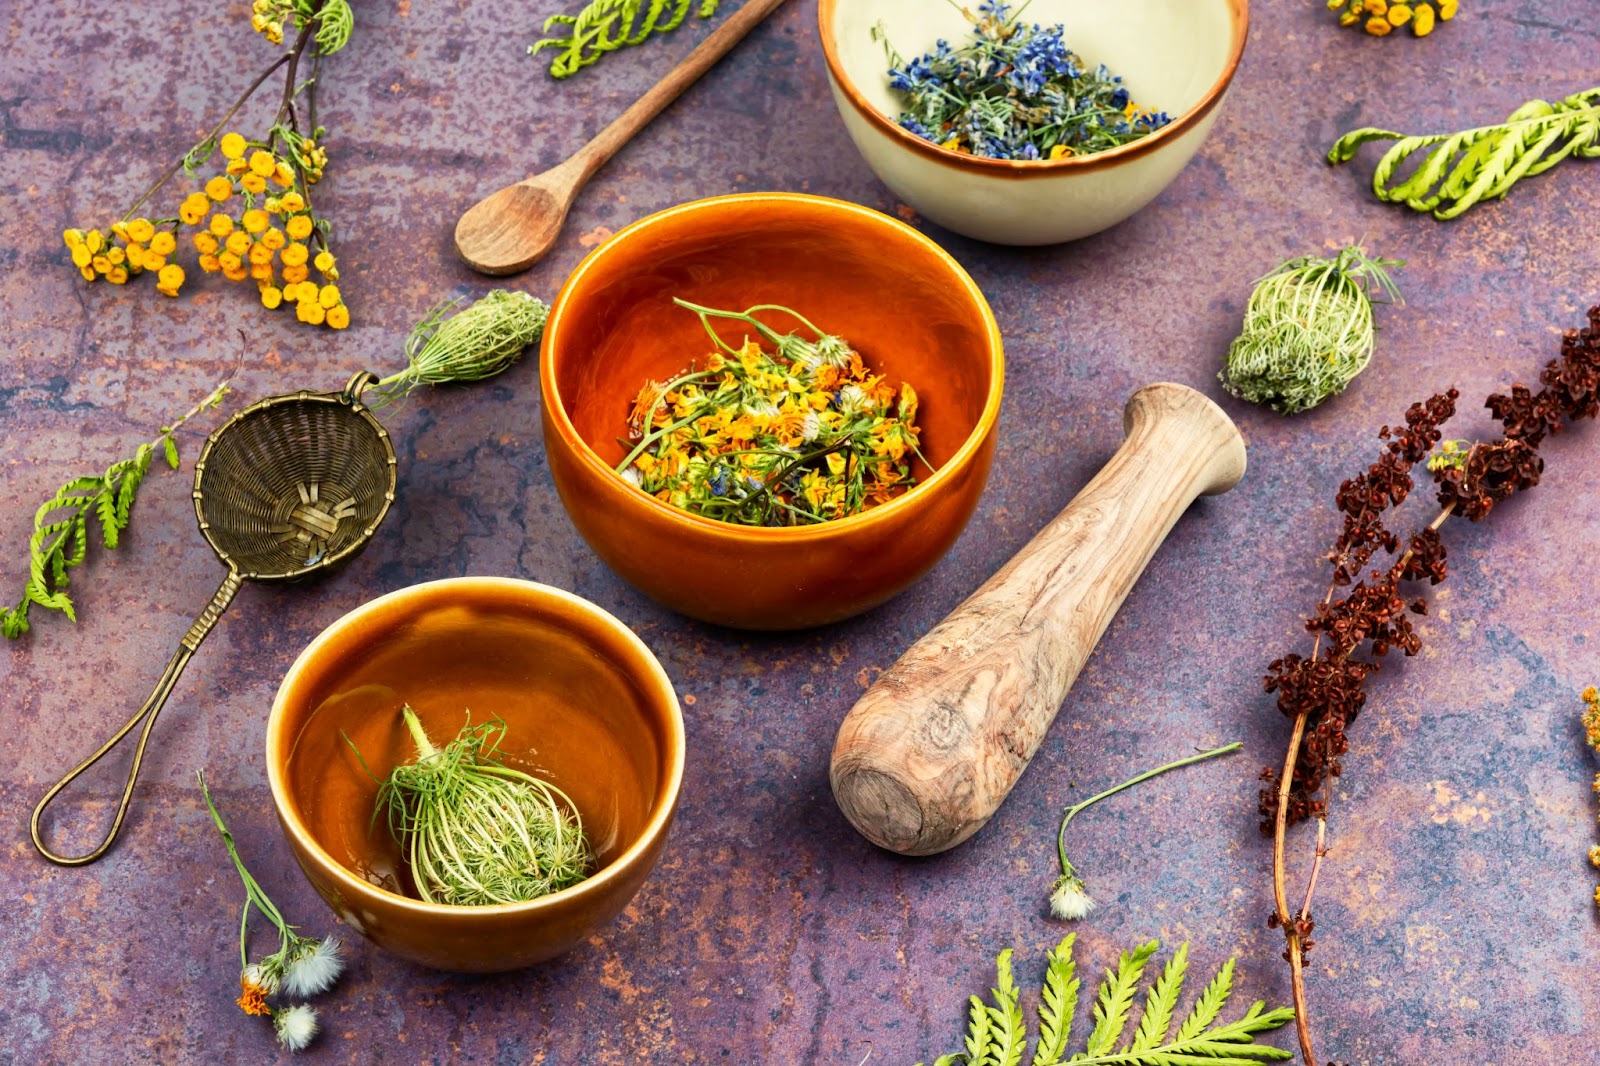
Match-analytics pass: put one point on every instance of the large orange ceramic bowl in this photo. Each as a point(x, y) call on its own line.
point(1177, 56)
point(586, 706)
point(896, 296)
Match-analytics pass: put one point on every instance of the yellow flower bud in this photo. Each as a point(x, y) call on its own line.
point(232, 145)
point(219, 188)
point(93, 241)
point(72, 237)
point(117, 275)
point(294, 255)
point(329, 296)
point(291, 203)
point(238, 242)
point(141, 230)
point(271, 297)
point(273, 238)
point(206, 244)
point(1422, 23)
point(324, 261)
point(338, 316)
point(209, 264)
point(299, 227)
point(295, 274)
point(262, 163)
point(81, 256)
point(171, 276)
point(1378, 26)
point(1399, 14)
point(163, 243)
point(221, 225)
point(254, 184)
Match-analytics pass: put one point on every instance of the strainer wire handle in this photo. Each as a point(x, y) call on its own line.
point(152, 707)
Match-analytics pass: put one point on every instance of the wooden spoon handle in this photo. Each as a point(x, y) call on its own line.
point(928, 754)
point(705, 55)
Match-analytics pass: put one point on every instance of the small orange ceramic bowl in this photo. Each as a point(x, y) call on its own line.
point(586, 706)
point(893, 294)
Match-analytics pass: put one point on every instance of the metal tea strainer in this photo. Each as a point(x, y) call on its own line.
point(289, 486)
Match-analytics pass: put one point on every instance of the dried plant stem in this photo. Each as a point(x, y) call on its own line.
point(1292, 924)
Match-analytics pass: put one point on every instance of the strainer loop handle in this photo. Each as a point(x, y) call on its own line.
point(147, 714)
point(360, 382)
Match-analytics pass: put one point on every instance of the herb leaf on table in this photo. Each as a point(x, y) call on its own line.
point(1456, 171)
point(60, 538)
point(996, 1033)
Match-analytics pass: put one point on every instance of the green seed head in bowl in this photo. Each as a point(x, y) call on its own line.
point(476, 832)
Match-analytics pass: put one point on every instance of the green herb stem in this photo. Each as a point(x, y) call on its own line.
point(1073, 811)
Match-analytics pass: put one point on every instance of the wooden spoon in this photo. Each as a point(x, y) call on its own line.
point(927, 755)
point(510, 230)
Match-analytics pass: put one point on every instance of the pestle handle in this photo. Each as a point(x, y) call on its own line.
point(927, 755)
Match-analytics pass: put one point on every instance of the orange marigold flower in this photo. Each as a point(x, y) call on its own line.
point(252, 998)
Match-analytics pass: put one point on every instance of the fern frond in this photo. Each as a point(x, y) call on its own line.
point(1058, 1004)
point(1161, 1001)
point(1453, 172)
point(979, 1025)
point(1010, 1037)
point(1115, 1000)
point(996, 1035)
point(608, 25)
point(60, 538)
point(1209, 1005)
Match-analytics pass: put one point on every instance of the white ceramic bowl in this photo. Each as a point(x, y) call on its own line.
point(1176, 56)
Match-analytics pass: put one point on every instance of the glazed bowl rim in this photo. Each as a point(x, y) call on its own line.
point(664, 803)
point(790, 535)
point(1239, 12)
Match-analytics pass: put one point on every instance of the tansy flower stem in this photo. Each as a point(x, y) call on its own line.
point(651, 438)
point(253, 891)
point(1061, 835)
point(216, 131)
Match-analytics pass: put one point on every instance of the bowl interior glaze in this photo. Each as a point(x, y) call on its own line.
point(1171, 54)
point(904, 304)
point(583, 704)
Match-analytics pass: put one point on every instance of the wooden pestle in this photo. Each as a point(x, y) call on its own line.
point(927, 755)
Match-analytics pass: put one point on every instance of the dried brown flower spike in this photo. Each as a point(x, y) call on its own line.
point(1324, 692)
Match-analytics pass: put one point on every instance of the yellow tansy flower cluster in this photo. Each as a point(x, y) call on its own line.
point(250, 224)
point(267, 18)
point(801, 434)
point(1591, 732)
point(1381, 18)
point(126, 250)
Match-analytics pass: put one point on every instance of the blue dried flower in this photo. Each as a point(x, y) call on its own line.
point(1015, 91)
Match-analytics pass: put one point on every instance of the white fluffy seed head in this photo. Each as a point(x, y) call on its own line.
point(312, 967)
point(295, 1026)
point(1068, 900)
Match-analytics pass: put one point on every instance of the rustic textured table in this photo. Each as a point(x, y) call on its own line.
point(1456, 922)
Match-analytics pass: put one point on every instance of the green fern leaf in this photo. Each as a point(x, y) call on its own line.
point(996, 1035)
point(60, 538)
point(1161, 1001)
point(1010, 1037)
point(979, 1025)
point(1116, 998)
point(608, 25)
point(1058, 1004)
point(1209, 1005)
point(1453, 172)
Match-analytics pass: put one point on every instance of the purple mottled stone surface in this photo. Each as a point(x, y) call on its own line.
point(1455, 918)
